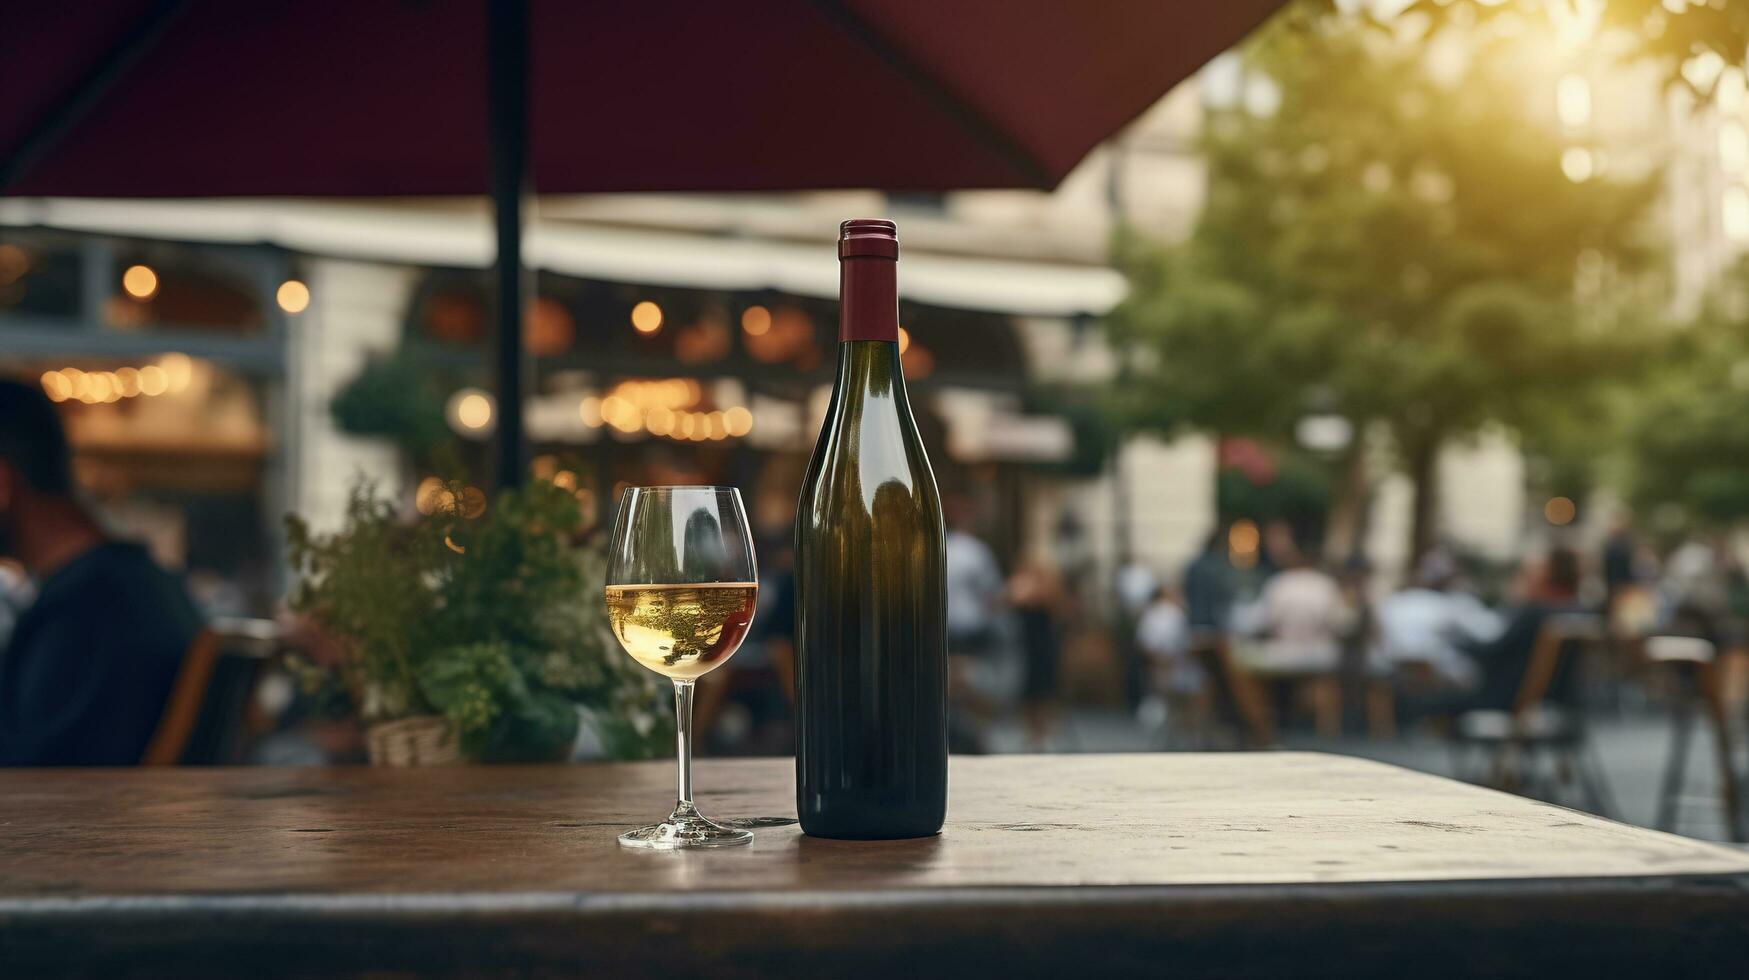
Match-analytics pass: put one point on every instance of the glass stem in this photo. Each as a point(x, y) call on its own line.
point(683, 735)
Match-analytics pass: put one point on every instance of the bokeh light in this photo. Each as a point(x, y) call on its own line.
point(140, 282)
point(293, 296)
point(646, 317)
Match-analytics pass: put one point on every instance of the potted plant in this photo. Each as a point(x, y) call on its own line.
point(474, 632)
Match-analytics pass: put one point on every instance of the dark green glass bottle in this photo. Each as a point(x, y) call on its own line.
point(871, 612)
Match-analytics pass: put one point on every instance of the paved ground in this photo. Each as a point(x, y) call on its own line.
point(1631, 750)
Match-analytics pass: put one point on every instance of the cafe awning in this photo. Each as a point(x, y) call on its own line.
point(459, 238)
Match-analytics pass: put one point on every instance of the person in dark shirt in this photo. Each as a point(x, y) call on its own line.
point(1209, 587)
point(1552, 590)
point(91, 662)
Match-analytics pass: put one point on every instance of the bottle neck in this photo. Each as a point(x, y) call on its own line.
point(868, 297)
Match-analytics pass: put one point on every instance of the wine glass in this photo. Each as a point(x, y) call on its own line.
point(681, 587)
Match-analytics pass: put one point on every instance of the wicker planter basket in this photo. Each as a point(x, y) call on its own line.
point(423, 740)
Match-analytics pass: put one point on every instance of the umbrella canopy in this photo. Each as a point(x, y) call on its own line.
point(201, 98)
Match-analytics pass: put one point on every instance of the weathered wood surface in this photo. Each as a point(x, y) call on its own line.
point(1239, 864)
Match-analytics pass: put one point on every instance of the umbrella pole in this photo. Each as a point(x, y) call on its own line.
point(507, 84)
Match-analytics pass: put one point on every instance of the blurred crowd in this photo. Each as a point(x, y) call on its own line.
point(1257, 633)
point(1235, 650)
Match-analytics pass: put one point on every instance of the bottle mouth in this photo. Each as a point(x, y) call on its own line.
point(868, 236)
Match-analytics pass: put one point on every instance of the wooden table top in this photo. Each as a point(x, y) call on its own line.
point(98, 866)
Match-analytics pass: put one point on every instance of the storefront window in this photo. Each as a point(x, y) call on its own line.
point(39, 277)
point(159, 286)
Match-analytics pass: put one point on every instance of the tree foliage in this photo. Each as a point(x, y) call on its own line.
point(1392, 246)
point(1687, 437)
point(1692, 40)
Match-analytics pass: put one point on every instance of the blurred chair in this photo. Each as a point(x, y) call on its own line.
point(1237, 704)
point(1412, 677)
point(1545, 727)
point(203, 718)
point(1691, 663)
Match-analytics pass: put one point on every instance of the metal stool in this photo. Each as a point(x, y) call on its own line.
point(1690, 661)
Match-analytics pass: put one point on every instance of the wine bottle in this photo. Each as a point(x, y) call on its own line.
point(871, 612)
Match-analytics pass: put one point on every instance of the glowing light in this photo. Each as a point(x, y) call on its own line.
point(127, 381)
point(470, 409)
point(1577, 164)
point(433, 496)
point(565, 480)
point(153, 380)
point(738, 421)
point(621, 413)
point(1733, 147)
point(1703, 70)
point(100, 389)
point(471, 502)
point(56, 386)
point(1560, 511)
point(1735, 213)
point(756, 320)
point(1729, 93)
point(178, 372)
point(293, 296)
point(474, 411)
point(589, 410)
point(140, 282)
point(659, 420)
point(713, 426)
point(904, 340)
point(1262, 96)
point(1573, 101)
point(1242, 541)
point(646, 317)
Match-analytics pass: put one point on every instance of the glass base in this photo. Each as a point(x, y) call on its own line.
point(684, 828)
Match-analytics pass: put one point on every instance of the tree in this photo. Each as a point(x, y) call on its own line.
point(1693, 40)
point(1686, 434)
point(1388, 245)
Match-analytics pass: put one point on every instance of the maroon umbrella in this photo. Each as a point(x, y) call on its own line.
point(201, 98)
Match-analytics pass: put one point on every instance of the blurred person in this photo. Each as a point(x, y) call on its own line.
point(1039, 601)
point(91, 662)
point(1434, 623)
point(765, 660)
point(1210, 588)
point(1621, 558)
point(15, 595)
point(1545, 588)
point(1301, 613)
point(1300, 619)
point(973, 583)
point(1280, 551)
point(1136, 585)
point(981, 675)
point(1697, 593)
point(1164, 635)
point(1695, 580)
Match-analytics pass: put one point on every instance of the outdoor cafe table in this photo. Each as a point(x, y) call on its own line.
point(1243, 865)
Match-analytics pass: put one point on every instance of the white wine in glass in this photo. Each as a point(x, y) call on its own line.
point(681, 589)
point(681, 631)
